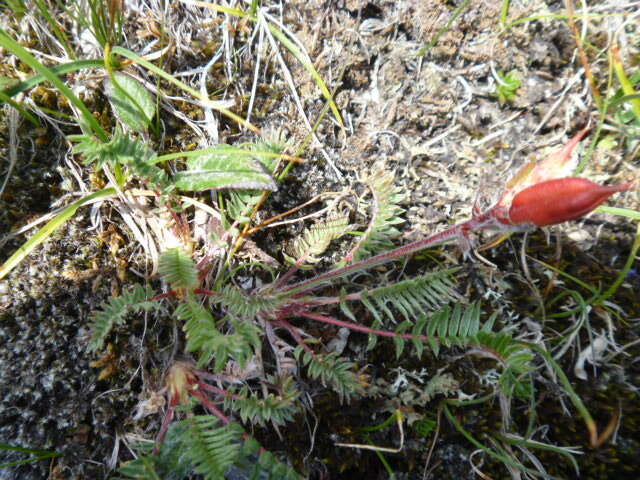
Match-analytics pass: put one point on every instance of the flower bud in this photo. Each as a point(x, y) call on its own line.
point(559, 200)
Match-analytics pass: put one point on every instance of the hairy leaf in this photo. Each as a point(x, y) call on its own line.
point(178, 269)
point(316, 239)
point(410, 298)
point(131, 101)
point(255, 408)
point(240, 305)
point(210, 447)
point(385, 215)
point(114, 313)
point(204, 337)
point(332, 370)
point(126, 151)
point(222, 169)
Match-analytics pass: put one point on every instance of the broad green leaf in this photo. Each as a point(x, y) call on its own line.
point(170, 78)
point(223, 168)
point(131, 101)
point(12, 89)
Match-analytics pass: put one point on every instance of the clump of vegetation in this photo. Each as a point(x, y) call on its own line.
point(507, 85)
point(248, 348)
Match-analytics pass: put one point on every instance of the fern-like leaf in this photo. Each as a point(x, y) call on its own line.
point(385, 215)
point(410, 297)
point(178, 269)
point(204, 337)
point(332, 370)
point(115, 311)
point(447, 327)
point(316, 240)
point(212, 448)
point(515, 358)
point(202, 444)
point(142, 468)
point(460, 326)
point(240, 305)
point(277, 409)
point(123, 150)
point(267, 466)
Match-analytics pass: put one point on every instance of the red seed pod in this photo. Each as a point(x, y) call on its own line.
point(559, 200)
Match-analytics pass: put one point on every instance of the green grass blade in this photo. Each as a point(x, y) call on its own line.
point(623, 99)
point(229, 149)
point(622, 212)
point(49, 228)
point(558, 16)
point(18, 106)
point(236, 12)
point(288, 44)
point(54, 26)
point(458, 11)
point(566, 275)
point(625, 82)
point(15, 48)
point(57, 70)
point(504, 12)
point(492, 453)
point(532, 444)
point(306, 63)
point(625, 270)
point(38, 455)
point(573, 396)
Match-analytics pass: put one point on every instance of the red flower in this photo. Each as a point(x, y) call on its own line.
point(543, 194)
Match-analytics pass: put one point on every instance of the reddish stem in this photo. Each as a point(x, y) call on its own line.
point(360, 328)
point(171, 293)
point(385, 333)
point(166, 421)
point(208, 404)
point(455, 231)
point(202, 291)
point(294, 333)
point(219, 391)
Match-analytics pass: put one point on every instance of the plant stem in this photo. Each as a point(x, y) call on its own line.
point(623, 273)
point(451, 233)
point(360, 328)
point(219, 391)
point(202, 291)
point(296, 336)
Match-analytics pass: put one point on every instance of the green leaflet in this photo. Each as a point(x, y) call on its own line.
point(115, 311)
point(256, 407)
point(52, 225)
point(212, 448)
point(202, 444)
point(308, 247)
point(211, 343)
point(410, 298)
point(385, 215)
point(131, 101)
point(332, 370)
point(224, 168)
point(178, 269)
